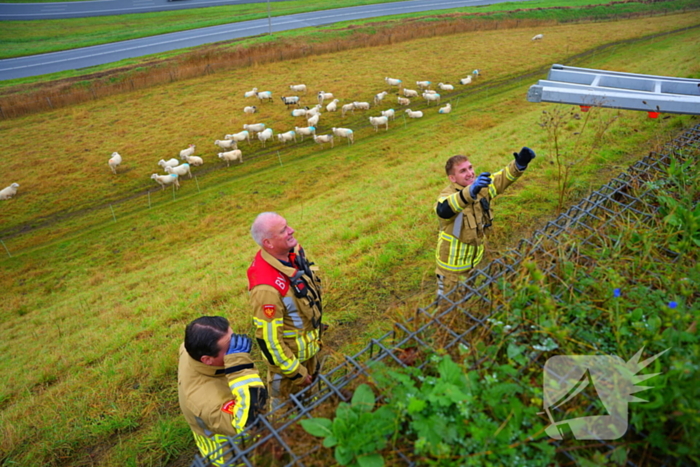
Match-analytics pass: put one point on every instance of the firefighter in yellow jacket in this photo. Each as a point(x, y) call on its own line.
point(285, 293)
point(464, 211)
point(219, 388)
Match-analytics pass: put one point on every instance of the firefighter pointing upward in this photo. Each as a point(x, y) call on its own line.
point(285, 294)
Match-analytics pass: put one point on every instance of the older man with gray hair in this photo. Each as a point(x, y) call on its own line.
point(285, 293)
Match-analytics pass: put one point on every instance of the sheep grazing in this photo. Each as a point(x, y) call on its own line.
point(414, 114)
point(254, 128)
point(169, 163)
point(313, 120)
point(466, 80)
point(264, 96)
point(288, 136)
point(226, 144)
point(431, 97)
point(194, 160)
point(290, 100)
point(376, 122)
point(114, 161)
point(323, 96)
point(305, 131)
point(446, 87)
point(347, 107)
point(389, 114)
point(299, 112)
point(333, 106)
point(265, 135)
point(180, 170)
point(423, 84)
point(9, 192)
point(404, 101)
point(345, 133)
point(538, 37)
point(379, 97)
point(298, 88)
point(323, 139)
point(251, 93)
point(410, 92)
point(445, 110)
point(315, 110)
point(392, 81)
point(163, 180)
point(231, 156)
point(187, 152)
point(250, 109)
point(361, 105)
point(240, 136)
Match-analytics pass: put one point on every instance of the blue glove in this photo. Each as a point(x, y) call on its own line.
point(240, 343)
point(523, 157)
point(482, 181)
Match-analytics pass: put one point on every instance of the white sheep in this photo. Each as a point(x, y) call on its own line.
point(240, 136)
point(423, 84)
point(313, 120)
point(410, 92)
point(164, 180)
point(324, 95)
point(333, 106)
point(305, 131)
point(288, 136)
point(298, 88)
point(476, 72)
point(431, 97)
point(315, 110)
point(445, 110)
point(180, 170)
point(389, 114)
point(404, 100)
point(345, 133)
point(446, 87)
point(378, 97)
point(299, 112)
point(361, 105)
point(250, 109)
point(226, 144)
point(414, 114)
point(376, 122)
point(466, 80)
point(347, 107)
point(254, 127)
point(187, 152)
point(265, 135)
point(251, 93)
point(322, 139)
point(194, 160)
point(392, 81)
point(9, 192)
point(290, 100)
point(264, 95)
point(231, 156)
point(171, 163)
point(538, 37)
point(114, 161)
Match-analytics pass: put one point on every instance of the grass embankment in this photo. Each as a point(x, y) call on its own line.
point(93, 311)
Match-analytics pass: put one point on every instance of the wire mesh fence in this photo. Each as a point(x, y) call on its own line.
point(468, 309)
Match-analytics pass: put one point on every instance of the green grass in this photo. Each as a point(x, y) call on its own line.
point(93, 310)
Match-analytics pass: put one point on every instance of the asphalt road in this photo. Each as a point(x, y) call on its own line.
point(35, 65)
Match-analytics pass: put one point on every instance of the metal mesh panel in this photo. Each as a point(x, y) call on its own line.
point(624, 196)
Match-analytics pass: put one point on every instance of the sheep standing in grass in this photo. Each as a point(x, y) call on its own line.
point(414, 114)
point(410, 92)
point(313, 120)
point(171, 162)
point(345, 133)
point(298, 88)
point(466, 80)
point(392, 81)
point(250, 109)
point(114, 161)
point(323, 96)
point(264, 96)
point(187, 152)
point(476, 72)
point(194, 161)
point(404, 100)
point(323, 139)
point(347, 107)
point(226, 144)
point(333, 106)
point(538, 37)
point(180, 170)
point(231, 156)
point(299, 112)
point(360, 105)
point(251, 93)
point(163, 180)
point(445, 110)
point(376, 122)
point(389, 114)
point(423, 85)
point(305, 131)
point(265, 135)
point(9, 191)
point(290, 100)
point(431, 97)
point(254, 128)
point(379, 97)
point(446, 87)
point(240, 136)
point(287, 136)
point(315, 110)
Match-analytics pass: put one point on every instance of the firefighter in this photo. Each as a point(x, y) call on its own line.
point(219, 388)
point(465, 215)
point(285, 294)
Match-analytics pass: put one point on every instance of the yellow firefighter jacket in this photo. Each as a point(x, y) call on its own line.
point(218, 401)
point(465, 222)
point(287, 311)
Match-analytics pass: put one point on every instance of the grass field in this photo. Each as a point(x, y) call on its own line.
point(93, 310)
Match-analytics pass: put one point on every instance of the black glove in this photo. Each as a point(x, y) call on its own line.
point(482, 181)
point(523, 158)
